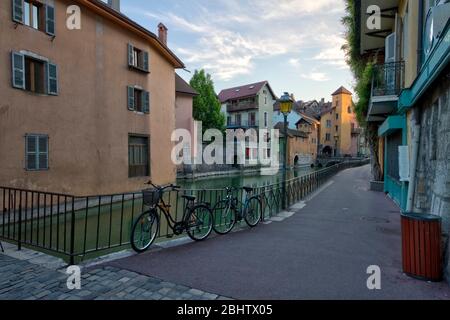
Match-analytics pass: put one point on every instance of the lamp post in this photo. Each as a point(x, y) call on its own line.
point(286, 103)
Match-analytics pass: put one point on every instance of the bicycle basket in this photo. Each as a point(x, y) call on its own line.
point(151, 197)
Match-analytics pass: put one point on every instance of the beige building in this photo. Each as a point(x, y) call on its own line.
point(339, 133)
point(86, 111)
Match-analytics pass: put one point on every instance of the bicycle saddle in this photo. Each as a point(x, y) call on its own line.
point(248, 189)
point(189, 198)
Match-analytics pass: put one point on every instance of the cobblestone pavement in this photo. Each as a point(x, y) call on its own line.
point(23, 280)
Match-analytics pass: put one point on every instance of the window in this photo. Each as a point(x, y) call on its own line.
point(36, 152)
point(349, 109)
point(328, 137)
point(266, 120)
point(34, 75)
point(229, 121)
point(337, 128)
point(337, 116)
point(329, 124)
point(252, 119)
point(138, 59)
point(138, 156)
point(138, 100)
point(238, 119)
point(34, 14)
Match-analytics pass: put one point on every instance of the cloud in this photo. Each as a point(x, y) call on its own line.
point(229, 44)
point(316, 76)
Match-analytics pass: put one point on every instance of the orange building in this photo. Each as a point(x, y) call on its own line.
point(83, 111)
point(339, 131)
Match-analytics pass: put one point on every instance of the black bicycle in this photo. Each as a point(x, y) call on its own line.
point(197, 218)
point(228, 212)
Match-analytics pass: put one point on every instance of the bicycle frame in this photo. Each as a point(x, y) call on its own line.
point(165, 209)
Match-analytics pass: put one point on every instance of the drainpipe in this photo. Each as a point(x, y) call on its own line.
point(415, 154)
point(420, 37)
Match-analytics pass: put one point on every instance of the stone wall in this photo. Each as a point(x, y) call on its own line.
point(433, 167)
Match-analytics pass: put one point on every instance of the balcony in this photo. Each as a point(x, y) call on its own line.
point(241, 106)
point(387, 83)
point(242, 124)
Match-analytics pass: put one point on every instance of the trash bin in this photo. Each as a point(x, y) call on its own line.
point(421, 246)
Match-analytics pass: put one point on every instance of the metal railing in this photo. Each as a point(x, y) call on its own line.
point(388, 79)
point(75, 228)
point(242, 106)
point(243, 124)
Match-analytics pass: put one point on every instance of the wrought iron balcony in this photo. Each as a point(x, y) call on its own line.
point(388, 79)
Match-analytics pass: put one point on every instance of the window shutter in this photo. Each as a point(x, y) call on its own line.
point(130, 91)
point(43, 153)
point(18, 70)
point(17, 8)
point(50, 20)
point(146, 101)
point(52, 79)
point(31, 151)
point(130, 55)
point(146, 61)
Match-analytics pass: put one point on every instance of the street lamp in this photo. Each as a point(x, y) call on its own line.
point(286, 103)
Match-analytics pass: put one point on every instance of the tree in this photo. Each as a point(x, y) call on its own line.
point(362, 70)
point(206, 105)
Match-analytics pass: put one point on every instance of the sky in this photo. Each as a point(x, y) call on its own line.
point(293, 44)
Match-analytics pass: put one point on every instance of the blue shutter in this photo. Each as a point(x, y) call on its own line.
point(146, 61)
point(130, 55)
point(52, 79)
point(17, 11)
point(130, 92)
point(50, 20)
point(18, 70)
point(43, 153)
point(31, 152)
point(146, 101)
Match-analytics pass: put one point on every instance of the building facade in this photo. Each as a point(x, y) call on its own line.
point(83, 111)
point(410, 103)
point(339, 132)
point(249, 107)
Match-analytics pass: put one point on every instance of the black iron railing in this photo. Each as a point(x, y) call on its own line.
point(388, 79)
point(80, 227)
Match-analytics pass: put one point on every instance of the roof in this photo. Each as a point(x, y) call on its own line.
point(120, 19)
point(245, 91)
point(308, 119)
point(182, 86)
point(291, 132)
point(341, 90)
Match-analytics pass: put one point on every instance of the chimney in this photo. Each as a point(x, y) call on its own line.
point(162, 33)
point(115, 4)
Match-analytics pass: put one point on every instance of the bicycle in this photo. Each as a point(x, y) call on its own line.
point(197, 219)
point(227, 212)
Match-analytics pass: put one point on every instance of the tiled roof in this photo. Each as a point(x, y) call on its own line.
point(242, 92)
point(182, 86)
point(341, 90)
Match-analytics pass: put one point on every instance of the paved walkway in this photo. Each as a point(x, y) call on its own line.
point(321, 250)
point(30, 278)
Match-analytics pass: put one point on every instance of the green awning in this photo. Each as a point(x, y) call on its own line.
point(392, 124)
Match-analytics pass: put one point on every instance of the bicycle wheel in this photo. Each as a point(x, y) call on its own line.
point(224, 217)
point(199, 223)
point(253, 211)
point(145, 230)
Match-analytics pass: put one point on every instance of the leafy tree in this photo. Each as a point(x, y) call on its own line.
point(207, 106)
point(362, 69)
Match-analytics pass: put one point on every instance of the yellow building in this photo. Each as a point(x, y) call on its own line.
point(338, 126)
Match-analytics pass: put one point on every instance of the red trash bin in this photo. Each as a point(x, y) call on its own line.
point(422, 246)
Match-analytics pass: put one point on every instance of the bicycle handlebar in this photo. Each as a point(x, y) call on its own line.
point(162, 188)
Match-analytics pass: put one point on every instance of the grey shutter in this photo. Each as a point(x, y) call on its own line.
point(17, 11)
point(43, 153)
point(145, 101)
point(31, 152)
point(18, 70)
point(146, 61)
point(130, 55)
point(52, 79)
point(130, 91)
point(50, 20)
